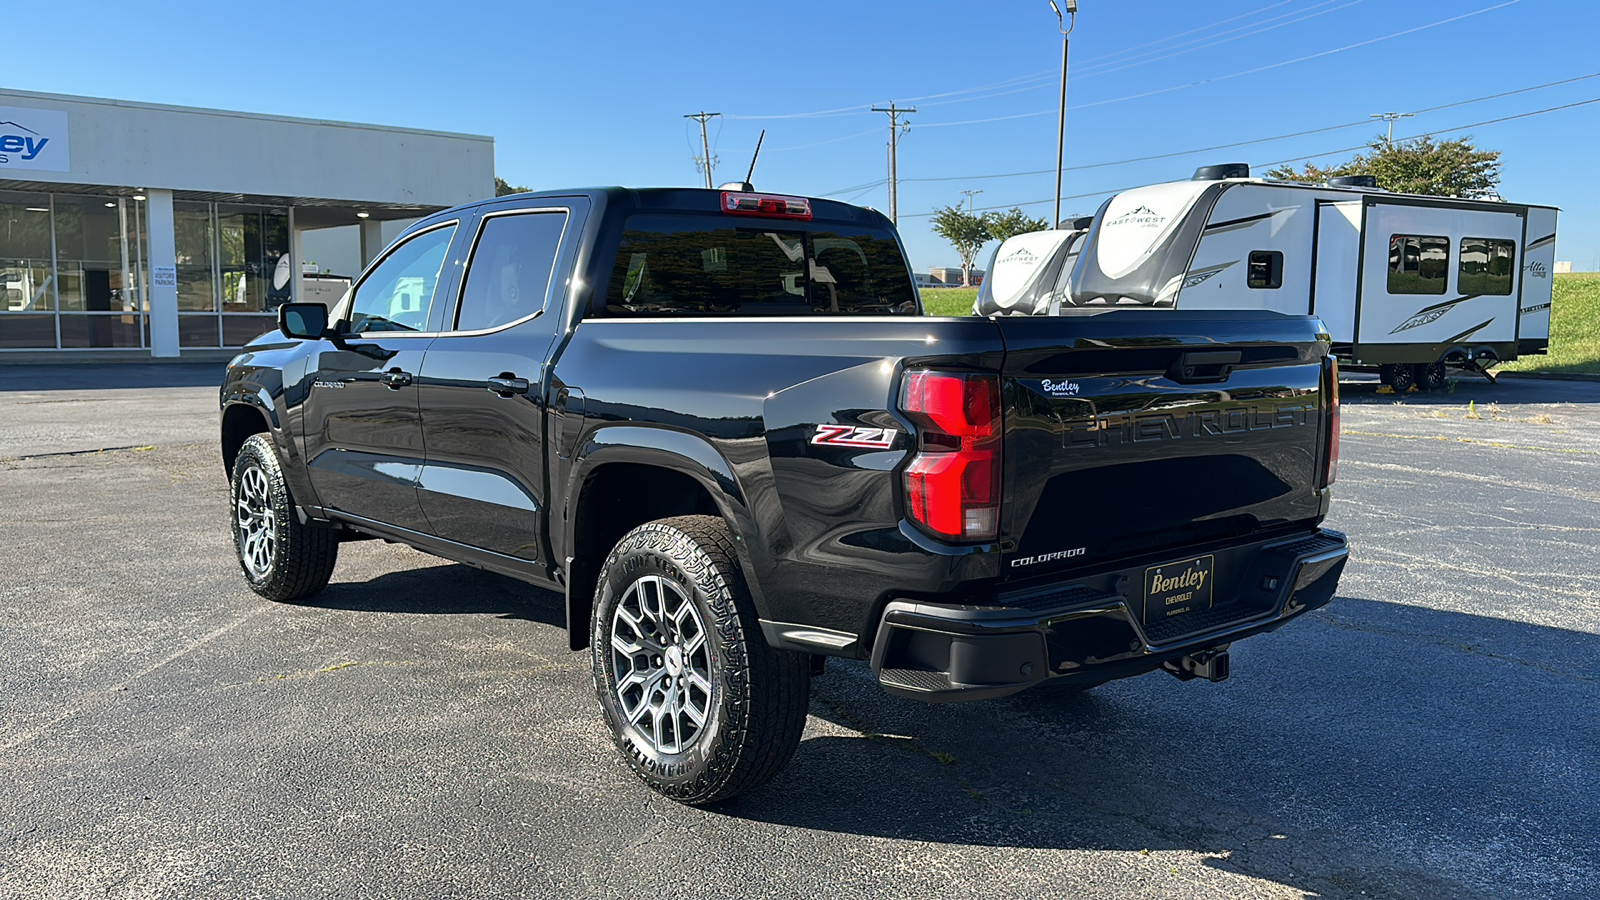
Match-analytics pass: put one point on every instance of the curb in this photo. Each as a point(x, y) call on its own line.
point(1550, 376)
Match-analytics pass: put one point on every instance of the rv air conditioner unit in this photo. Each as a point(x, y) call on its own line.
point(1217, 173)
point(1359, 181)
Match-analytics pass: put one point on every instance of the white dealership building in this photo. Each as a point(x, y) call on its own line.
point(135, 230)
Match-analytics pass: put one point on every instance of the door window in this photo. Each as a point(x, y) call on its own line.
point(508, 276)
point(1486, 266)
point(1418, 265)
point(397, 294)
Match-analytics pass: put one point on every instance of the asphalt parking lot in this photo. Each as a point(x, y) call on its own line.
point(420, 730)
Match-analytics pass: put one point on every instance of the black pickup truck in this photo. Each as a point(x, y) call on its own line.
point(719, 424)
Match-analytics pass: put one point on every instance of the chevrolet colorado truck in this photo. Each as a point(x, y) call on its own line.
point(719, 425)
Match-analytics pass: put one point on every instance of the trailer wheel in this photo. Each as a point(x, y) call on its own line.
point(1396, 375)
point(1428, 376)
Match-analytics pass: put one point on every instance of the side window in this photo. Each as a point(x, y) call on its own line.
point(1418, 265)
point(397, 294)
point(1486, 266)
point(1265, 269)
point(508, 276)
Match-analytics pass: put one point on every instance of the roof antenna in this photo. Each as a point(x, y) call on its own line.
point(746, 185)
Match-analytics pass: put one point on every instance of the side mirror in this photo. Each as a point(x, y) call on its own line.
point(306, 321)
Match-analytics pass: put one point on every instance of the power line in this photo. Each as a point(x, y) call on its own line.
point(1231, 75)
point(1280, 162)
point(1279, 137)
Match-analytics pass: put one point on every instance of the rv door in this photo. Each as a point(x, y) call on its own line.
point(1437, 276)
point(1336, 250)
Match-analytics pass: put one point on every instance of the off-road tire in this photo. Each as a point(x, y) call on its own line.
point(756, 708)
point(1428, 376)
point(302, 555)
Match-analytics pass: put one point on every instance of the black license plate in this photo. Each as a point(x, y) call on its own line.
point(1178, 587)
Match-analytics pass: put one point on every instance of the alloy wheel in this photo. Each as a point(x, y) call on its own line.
point(661, 661)
point(256, 521)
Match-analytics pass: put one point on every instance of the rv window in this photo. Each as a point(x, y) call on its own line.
point(1486, 266)
point(1418, 265)
point(1266, 269)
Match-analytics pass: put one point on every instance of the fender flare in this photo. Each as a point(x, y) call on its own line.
point(679, 451)
point(259, 398)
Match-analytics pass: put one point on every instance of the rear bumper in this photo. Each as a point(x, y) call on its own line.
point(1090, 630)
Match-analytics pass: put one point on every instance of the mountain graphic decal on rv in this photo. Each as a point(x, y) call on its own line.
point(1020, 255)
point(1139, 215)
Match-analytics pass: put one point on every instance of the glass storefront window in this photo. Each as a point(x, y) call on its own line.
point(72, 271)
point(194, 239)
point(26, 285)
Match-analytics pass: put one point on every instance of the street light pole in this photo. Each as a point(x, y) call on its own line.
point(1061, 127)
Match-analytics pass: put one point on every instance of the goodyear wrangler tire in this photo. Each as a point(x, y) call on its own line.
point(699, 705)
point(282, 558)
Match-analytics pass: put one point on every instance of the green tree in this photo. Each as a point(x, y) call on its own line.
point(1013, 222)
point(967, 232)
point(1454, 168)
point(502, 188)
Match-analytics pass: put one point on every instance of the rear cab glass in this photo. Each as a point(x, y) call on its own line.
point(697, 266)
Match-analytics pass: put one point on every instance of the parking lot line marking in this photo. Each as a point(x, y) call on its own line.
point(107, 693)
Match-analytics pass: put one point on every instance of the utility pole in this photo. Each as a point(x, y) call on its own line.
point(896, 128)
point(970, 195)
point(705, 147)
point(1390, 117)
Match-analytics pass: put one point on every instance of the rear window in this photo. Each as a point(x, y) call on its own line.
point(677, 266)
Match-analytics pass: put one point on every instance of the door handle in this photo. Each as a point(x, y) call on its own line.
point(395, 379)
point(505, 384)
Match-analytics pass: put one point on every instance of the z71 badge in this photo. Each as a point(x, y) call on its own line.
point(855, 436)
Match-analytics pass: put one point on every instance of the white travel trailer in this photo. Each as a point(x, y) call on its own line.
point(1409, 284)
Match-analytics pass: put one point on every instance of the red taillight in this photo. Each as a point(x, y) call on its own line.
point(1332, 470)
point(773, 206)
point(953, 483)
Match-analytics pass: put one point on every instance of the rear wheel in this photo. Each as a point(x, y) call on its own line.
point(1428, 376)
point(699, 705)
point(282, 558)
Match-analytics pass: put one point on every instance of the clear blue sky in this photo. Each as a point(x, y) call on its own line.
point(594, 93)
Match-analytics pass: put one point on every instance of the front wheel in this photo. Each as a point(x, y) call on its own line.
point(699, 705)
point(282, 557)
point(1398, 376)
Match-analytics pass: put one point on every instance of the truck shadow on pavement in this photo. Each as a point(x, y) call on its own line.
point(446, 589)
point(1351, 752)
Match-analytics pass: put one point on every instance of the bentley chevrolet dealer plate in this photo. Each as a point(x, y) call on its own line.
point(1176, 588)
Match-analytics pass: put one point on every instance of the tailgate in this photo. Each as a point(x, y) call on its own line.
point(1134, 432)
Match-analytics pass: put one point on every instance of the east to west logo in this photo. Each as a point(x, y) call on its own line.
point(1021, 255)
point(1428, 316)
point(19, 140)
point(1139, 215)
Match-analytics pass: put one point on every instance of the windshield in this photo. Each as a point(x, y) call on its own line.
point(677, 266)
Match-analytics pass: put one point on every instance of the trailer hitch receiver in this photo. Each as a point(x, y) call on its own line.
point(1212, 665)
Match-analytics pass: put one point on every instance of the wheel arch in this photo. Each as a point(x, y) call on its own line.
point(628, 475)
